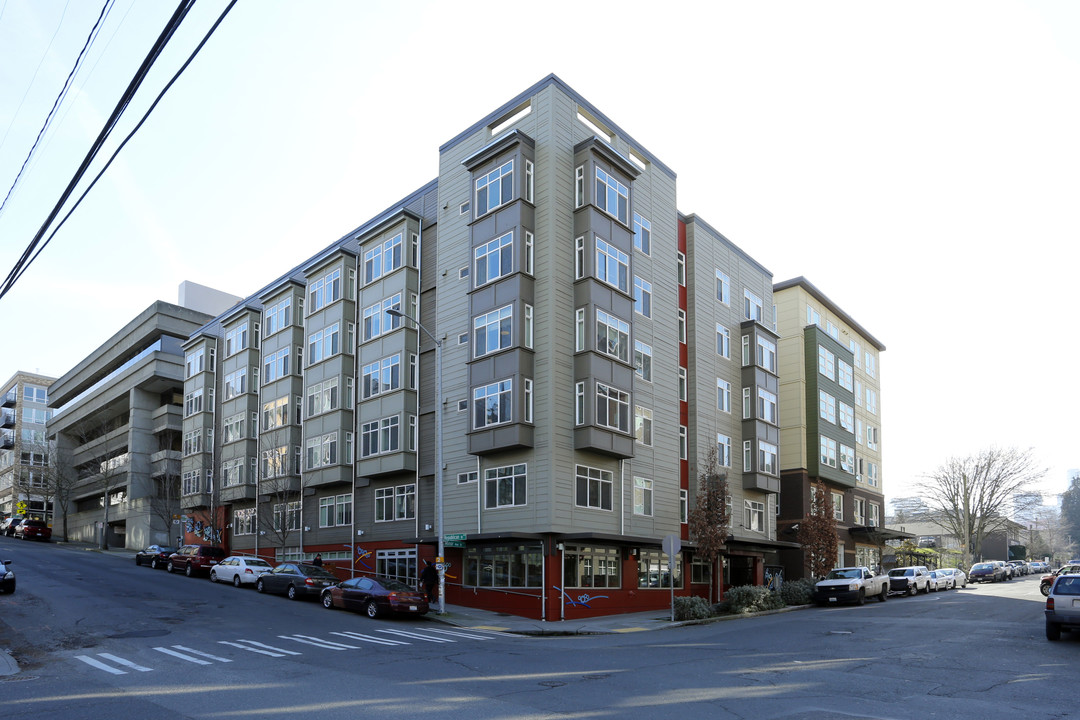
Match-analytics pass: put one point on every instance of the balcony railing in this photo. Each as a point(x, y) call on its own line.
point(9, 399)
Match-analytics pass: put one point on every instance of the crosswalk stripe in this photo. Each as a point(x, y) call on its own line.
point(328, 644)
point(181, 655)
point(200, 653)
point(125, 663)
point(100, 665)
point(268, 649)
point(417, 636)
point(462, 634)
point(368, 638)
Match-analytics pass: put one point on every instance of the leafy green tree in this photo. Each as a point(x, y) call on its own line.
point(1070, 508)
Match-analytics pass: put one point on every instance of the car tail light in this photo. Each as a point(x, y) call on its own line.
point(1050, 604)
point(249, 570)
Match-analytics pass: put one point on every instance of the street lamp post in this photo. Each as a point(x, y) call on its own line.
point(440, 565)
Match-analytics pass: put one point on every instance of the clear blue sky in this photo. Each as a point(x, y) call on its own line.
point(915, 161)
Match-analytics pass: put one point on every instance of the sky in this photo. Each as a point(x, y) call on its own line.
point(916, 161)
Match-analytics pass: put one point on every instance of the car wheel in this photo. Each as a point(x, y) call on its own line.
point(292, 594)
point(1053, 631)
point(259, 586)
point(188, 571)
point(236, 580)
point(137, 561)
point(327, 601)
point(170, 567)
point(926, 589)
point(213, 576)
point(1045, 589)
point(862, 598)
point(883, 595)
point(153, 564)
point(913, 590)
point(371, 609)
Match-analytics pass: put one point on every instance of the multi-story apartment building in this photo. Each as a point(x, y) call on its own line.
point(117, 422)
point(830, 423)
point(24, 451)
point(596, 347)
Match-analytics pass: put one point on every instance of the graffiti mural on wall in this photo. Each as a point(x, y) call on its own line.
point(361, 557)
point(774, 577)
point(583, 600)
point(202, 530)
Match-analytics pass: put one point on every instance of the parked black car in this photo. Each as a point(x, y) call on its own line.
point(156, 556)
point(296, 580)
point(986, 572)
point(7, 578)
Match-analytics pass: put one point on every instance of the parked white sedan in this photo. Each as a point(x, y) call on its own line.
point(941, 580)
point(240, 570)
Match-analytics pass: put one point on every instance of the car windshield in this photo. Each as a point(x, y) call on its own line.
point(901, 572)
point(1067, 586)
point(982, 566)
point(844, 574)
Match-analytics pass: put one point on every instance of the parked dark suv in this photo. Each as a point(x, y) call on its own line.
point(193, 559)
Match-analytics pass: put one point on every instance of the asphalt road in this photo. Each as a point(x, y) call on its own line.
point(98, 637)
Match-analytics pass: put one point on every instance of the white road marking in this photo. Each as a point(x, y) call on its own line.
point(417, 636)
point(308, 640)
point(368, 638)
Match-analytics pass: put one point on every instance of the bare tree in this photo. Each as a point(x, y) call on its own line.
point(164, 503)
point(710, 519)
point(971, 495)
point(277, 491)
point(817, 532)
point(106, 468)
point(62, 478)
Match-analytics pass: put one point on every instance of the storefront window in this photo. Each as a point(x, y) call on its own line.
point(653, 570)
point(504, 566)
point(591, 567)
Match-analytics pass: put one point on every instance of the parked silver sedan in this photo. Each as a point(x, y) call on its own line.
point(959, 577)
point(240, 570)
point(941, 580)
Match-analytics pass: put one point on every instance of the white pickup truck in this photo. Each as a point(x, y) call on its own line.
point(851, 584)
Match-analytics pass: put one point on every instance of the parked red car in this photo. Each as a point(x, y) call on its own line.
point(375, 597)
point(1047, 580)
point(33, 530)
point(191, 559)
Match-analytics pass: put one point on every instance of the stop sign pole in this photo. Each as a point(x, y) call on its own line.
point(672, 544)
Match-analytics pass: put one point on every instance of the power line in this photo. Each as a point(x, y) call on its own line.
point(142, 120)
point(59, 98)
point(163, 38)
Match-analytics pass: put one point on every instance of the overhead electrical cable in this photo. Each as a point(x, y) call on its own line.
point(140, 75)
point(59, 98)
point(121, 146)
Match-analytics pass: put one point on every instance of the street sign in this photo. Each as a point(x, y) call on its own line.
point(454, 540)
point(671, 544)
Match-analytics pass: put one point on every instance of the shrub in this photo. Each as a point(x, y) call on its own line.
point(797, 592)
point(751, 598)
point(692, 608)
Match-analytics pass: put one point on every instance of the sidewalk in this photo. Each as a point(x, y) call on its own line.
point(475, 618)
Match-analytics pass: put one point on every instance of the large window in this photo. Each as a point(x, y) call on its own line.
point(322, 397)
point(232, 472)
point(494, 259)
point(233, 427)
point(504, 566)
point(594, 488)
point(278, 316)
point(766, 354)
point(723, 287)
point(382, 259)
point(643, 360)
point(723, 450)
point(643, 488)
point(195, 362)
point(612, 196)
point(723, 341)
point(643, 425)
point(612, 336)
point(591, 567)
point(847, 459)
point(653, 569)
point(828, 451)
point(492, 404)
point(846, 375)
point(287, 516)
point(395, 503)
point(493, 331)
point(767, 457)
point(752, 306)
point(826, 362)
point(322, 451)
point(612, 265)
point(396, 564)
point(324, 290)
point(236, 339)
point(767, 406)
point(275, 413)
point(193, 402)
point(381, 376)
point(380, 436)
point(643, 296)
point(235, 384)
point(494, 189)
point(324, 343)
point(276, 365)
point(376, 321)
point(612, 408)
point(826, 407)
point(642, 234)
point(754, 515)
point(275, 462)
point(505, 486)
point(723, 395)
point(244, 522)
